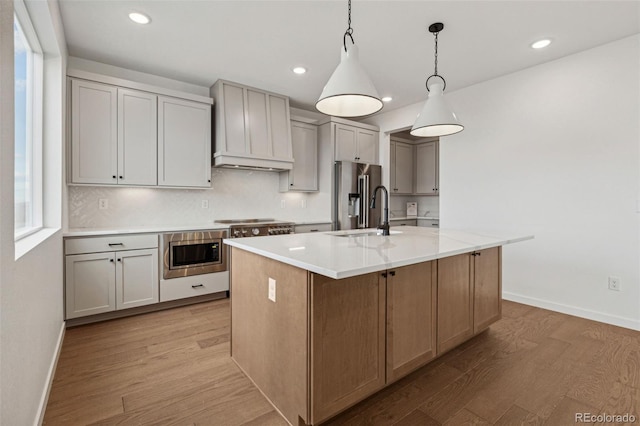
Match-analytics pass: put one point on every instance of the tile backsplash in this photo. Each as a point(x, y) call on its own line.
point(234, 194)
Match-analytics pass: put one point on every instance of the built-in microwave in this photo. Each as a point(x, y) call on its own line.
point(193, 253)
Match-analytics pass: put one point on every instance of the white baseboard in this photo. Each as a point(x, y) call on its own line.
point(573, 310)
point(52, 371)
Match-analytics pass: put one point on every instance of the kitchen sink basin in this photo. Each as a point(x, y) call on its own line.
point(362, 234)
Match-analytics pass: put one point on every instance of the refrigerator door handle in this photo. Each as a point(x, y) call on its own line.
point(363, 184)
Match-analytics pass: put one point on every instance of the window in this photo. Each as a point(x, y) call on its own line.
point(28, 125)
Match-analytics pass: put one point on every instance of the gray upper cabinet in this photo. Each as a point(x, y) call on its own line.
point(356, 144)
point(252, 128)
point(304, 175)
point(401, 169)
point(94, 133)
point(184, 143)
point(427, 169)
point(123, 136)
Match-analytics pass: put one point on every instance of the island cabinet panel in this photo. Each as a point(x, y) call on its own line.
point(347, 342)
point(455, 301)
point(270, 339)
point(411, 318)
point(487, 300)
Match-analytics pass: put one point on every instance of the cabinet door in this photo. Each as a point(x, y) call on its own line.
point(89, 284)
point(94, 137)
point(347, 342)
point(427, 168)
point(403, 169)
point(367, 146)
point(411, 318)
point(184, 143)
point(487, 299)
point(280, 127)
point(136, 278)
point(345, 143)
point(455, 301)
point(137, 138)
point(257, 124)
point(304, 175)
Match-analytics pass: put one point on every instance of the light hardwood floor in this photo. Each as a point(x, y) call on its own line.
point(173, 367)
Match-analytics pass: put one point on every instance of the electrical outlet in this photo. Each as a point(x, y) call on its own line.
point(283, 204)
point(103, 203)
point(303, 203)
point(272, 290)
point(205, 204)
point(614, 283)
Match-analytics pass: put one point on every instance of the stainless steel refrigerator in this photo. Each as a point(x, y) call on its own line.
point(354, 184)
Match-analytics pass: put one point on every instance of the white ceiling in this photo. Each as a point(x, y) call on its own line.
point(258, 42)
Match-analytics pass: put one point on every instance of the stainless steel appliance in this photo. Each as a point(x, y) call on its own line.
point(240, 228)
point(354, 184)
point(193, 253)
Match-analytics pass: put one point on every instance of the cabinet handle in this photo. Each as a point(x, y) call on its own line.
point(115, 244)
point(120, 260)
point(121, 177)
point(384, 275)
point(313, 230)
point(114, 176)
point(209, 180)
point(111, 260)
point(197, 285)
point(393, 273)
point(290, 184)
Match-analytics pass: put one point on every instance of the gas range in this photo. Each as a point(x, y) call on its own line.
point(239, 228)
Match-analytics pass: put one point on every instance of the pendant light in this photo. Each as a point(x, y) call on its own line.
point(436, 117)
point(349, 92)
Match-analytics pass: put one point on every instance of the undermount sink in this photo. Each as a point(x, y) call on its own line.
point(362, 234)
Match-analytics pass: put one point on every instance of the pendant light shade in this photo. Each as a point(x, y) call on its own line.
point(349, 92)
point(436, 117)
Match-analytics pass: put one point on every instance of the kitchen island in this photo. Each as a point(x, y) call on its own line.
point(321, 321)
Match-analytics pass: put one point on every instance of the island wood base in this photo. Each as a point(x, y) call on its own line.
point(326, 344)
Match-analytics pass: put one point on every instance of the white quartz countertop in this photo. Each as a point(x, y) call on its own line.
point(94, 232)
point(357, 253)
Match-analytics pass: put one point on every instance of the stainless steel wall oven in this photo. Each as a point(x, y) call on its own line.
point(193, 253)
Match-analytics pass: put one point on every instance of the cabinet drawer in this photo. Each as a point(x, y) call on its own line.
point(196, 285)
point(317, 227)
point(429, 222)
point(110, 243)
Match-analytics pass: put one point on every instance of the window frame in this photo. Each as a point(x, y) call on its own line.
point(34, 130)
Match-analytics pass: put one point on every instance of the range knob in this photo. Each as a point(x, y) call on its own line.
point(236, 233)
point(255, 231)
point(244, 232)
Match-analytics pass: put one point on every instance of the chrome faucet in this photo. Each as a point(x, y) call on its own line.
point(385, 223)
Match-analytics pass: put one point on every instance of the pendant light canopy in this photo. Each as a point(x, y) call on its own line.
point(436, 117)
point(349, 92)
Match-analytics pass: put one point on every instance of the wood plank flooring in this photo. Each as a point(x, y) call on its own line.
point(172, 367)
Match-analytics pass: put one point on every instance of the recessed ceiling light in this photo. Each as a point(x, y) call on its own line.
point(299, 70)
point(541, 43)
point(387, 99)
point(139, 18)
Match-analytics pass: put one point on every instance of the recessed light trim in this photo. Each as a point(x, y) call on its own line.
point(299, 70)
point(387, 99)
point(541, 44)
point(139, 18)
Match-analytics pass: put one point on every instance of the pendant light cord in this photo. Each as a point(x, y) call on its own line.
point(436, 55)
point(349, 31)
point(435, 30)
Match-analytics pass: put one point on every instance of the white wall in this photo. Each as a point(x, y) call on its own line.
point(235, 194)
point(552, 150)
point(31, 307)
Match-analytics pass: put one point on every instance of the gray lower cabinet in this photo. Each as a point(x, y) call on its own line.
point(105, 274)
point(429, 222)
point(404, 222)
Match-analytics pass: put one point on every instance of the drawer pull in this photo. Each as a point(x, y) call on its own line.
point(115, 244)
point(197, 285)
